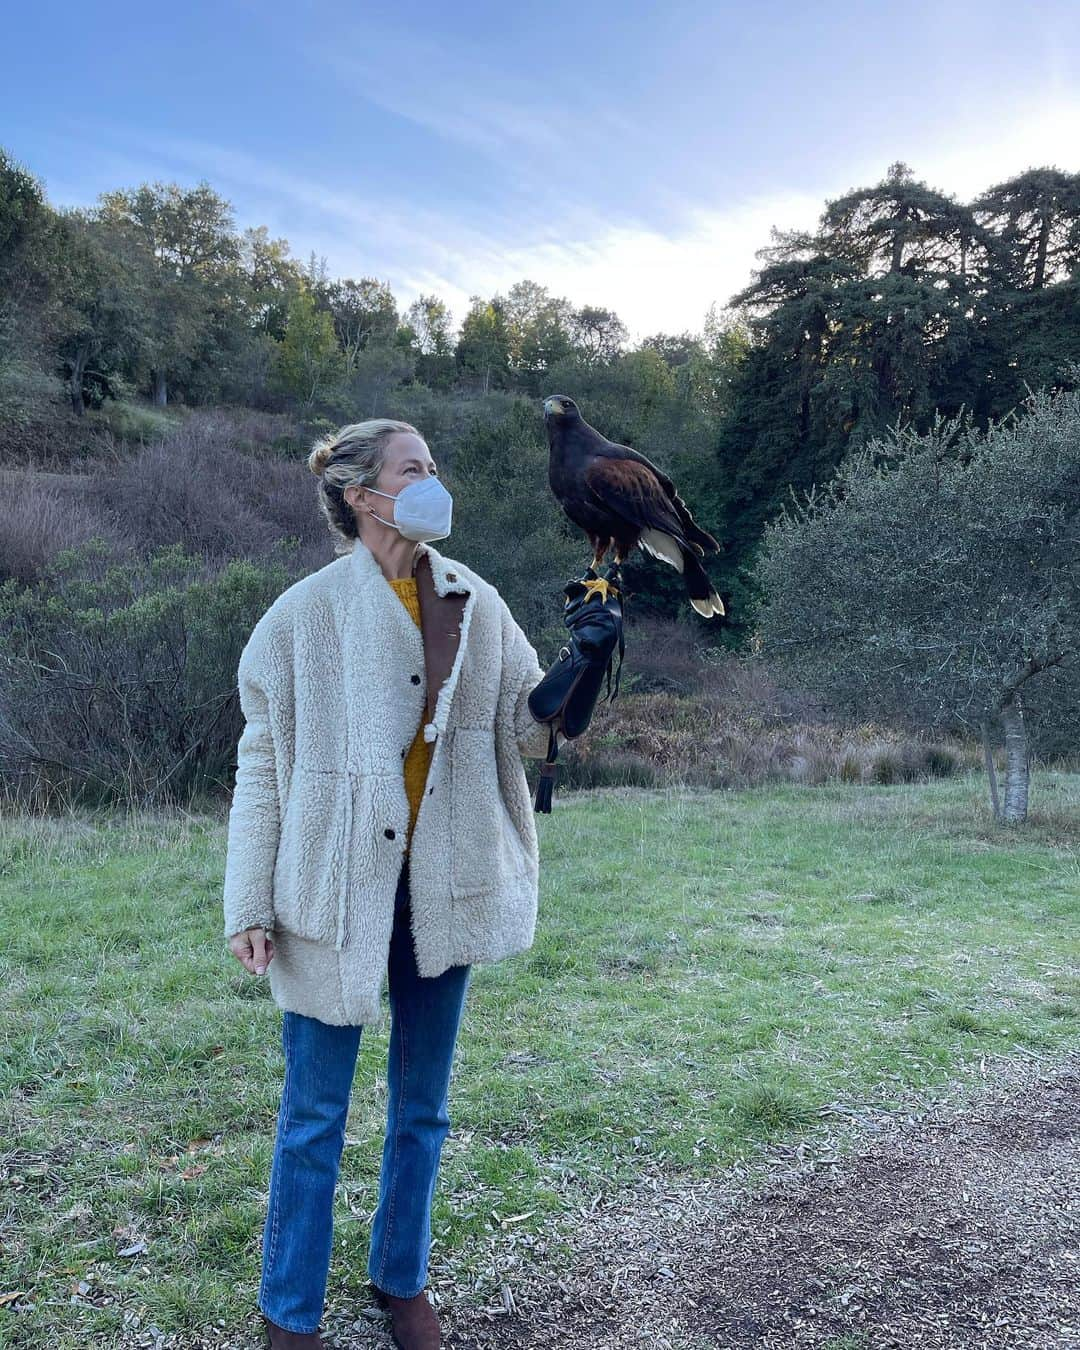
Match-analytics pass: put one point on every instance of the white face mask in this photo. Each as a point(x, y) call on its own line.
point(422, 510)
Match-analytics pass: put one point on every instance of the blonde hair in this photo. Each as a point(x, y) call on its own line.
point(351, 455)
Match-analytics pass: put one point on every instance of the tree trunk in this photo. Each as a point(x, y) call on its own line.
point(896, 258)
point(1041, 250)
point(78, 369)
point(991, 772)
point(1016, 762)
point(161, 393)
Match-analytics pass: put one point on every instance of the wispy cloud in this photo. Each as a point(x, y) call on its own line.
point(665, 281)
point(366, 214)
point(656, 279)
point(541, 132)
point(454, 89)
point(652, 280)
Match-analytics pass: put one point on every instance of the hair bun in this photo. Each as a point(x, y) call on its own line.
point(321, 453)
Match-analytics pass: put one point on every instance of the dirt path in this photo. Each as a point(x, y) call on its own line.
point(952, 1224)
point(955, 1226)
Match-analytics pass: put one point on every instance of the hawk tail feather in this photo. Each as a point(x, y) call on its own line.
point(682, 557)
point(700, 540)
point(699, 588)
point(663, 546)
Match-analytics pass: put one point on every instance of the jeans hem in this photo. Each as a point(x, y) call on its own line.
point(300, 1331)
point(393, 1292)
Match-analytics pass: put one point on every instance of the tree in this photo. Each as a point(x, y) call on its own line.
point(675, 348)
point(873, 318)
point(901, 226)
point(29, 249)
point(483, 347)
point(537, 330)
point(778, 432)
point(363, 312)
point(713, 364)
point(902, 328)
point(380, 371)
point(272, 278)
point(935, 578)
point(1030, 318)
point(1036, 217)
point(189, 254)
point(598, 334)
point(430, 322)
point(427, 331)
point(103, 319)
point(316, 273)
point(309, 360)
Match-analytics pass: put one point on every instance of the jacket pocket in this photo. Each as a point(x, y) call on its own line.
point(309, 873)
point(485, 848)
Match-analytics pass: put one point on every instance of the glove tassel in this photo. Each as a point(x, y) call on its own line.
point(546, 782)
point(618, 670)
point(611, 696)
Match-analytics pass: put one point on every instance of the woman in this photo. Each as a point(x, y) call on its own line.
point(381, 825)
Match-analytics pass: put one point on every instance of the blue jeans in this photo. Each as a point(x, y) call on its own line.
point(320, 1061)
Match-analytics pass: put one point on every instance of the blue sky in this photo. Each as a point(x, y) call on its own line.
point(621, 154)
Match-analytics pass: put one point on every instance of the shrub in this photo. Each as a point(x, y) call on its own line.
point(134, 422)
point(939, 761)
point(117, 680)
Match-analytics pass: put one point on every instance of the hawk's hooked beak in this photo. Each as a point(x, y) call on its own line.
point(552, 405)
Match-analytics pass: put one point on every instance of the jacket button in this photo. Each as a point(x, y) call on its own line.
point(415, 679)
point(388, 832)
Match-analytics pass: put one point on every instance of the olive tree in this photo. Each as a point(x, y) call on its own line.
point(936, 579)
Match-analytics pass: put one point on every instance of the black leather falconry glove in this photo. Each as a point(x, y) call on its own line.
point(568, 693)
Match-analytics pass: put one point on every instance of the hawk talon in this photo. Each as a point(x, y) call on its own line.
point(601, 586)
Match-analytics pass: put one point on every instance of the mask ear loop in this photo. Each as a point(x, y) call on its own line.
point(371, 511)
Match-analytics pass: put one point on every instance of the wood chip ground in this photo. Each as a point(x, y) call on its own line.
point(948, 1225)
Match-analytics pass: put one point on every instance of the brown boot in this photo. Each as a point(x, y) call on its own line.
point(280, 1339)
point(415, 1325)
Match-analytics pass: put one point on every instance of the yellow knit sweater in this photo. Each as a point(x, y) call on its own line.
point(418, 760)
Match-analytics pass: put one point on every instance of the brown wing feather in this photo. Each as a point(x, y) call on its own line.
point(632, 491)
point(612, 452)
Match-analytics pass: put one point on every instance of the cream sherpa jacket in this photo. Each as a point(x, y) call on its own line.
point(317, 827)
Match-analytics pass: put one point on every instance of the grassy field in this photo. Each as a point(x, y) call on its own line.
point(711, 970)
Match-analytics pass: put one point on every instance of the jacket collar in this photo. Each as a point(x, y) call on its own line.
point(446, 606)
point(445, 573)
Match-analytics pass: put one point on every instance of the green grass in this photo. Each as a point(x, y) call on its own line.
point(710, 970)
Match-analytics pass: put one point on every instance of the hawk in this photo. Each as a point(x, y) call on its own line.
point(619, 497)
